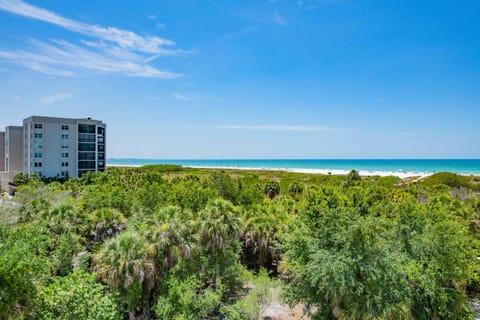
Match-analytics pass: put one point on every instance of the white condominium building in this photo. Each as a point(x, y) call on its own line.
point(62, 147)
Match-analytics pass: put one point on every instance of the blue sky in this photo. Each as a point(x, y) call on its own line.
point(251, 79)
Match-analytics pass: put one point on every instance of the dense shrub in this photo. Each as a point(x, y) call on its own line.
point(176, 243)
point(447, 178)
point(77, 296)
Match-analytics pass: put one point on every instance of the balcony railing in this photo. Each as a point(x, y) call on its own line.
point(85, 137)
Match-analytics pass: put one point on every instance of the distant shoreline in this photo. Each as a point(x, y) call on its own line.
point(402, 168)
point(363, 173)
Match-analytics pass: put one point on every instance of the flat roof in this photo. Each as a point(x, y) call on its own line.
point(58, 119)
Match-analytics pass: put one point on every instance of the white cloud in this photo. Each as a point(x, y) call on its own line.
point(279, 20)
point(276, 127)
point(179, 96)
point(113, 50)
point(60, 56)
point(32, 61)
point(123, 38)
point(316, 4)
point(55, 98)
point(259, 23)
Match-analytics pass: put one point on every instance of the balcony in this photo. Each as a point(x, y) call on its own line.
point(86, 128)
point(85, 137)
point(86, 165)
point(86, 156)
point(86, 147)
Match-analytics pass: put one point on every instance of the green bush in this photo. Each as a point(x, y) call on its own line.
point(188, 299)
point(365, 249)
point(161, 168)
point(75, 297)
point(447, 178)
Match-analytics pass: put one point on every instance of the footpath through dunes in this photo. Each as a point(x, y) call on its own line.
point(275, 309)
point(474, 303)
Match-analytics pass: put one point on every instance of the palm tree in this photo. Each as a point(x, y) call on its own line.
point(219, 223)
point(65, 218)
point(106, 222)
point(272, 189)
point(172, 236)
point(262, 226)
point(219, 232)
point(124, 263)
point(295, 189)
point(258, 235)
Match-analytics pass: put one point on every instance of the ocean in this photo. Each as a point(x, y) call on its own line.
point(401, 167)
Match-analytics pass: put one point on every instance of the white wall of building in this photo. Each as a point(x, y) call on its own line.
point(14, 149)
point(2, 151)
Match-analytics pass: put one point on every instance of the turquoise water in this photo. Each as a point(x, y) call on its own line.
point(463, 166)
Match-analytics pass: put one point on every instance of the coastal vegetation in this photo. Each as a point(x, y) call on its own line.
point(166, 242)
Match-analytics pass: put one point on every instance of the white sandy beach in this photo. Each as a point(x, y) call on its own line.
point(363, 173)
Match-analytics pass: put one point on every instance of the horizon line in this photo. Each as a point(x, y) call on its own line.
point(385, 159)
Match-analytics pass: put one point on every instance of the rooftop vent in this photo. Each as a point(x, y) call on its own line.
point(88, 118)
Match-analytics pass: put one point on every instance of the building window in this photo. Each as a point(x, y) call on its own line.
point(86, 147)
point(86, 128)
point(83, 165)
point(100, 130)
point(64, 164)
point(37, 155)
point(64, 136)
point(64, 154)
point(38, 126)
point(64, 173)
point(86, 156)
point(37, 164)
point(38, 145)
point(37, 135)
point(85, 137)
point(64, 127)
point(64, 146)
